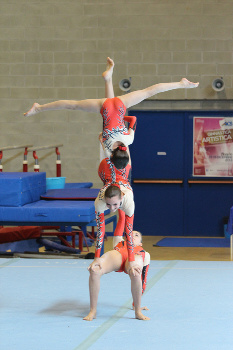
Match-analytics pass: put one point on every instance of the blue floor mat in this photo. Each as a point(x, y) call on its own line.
point(189, 305)
point(194, 242)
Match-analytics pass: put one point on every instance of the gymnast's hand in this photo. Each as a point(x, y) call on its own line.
point(96, 265)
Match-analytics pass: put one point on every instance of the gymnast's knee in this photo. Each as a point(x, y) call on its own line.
point(135, 275)
point(96, 272)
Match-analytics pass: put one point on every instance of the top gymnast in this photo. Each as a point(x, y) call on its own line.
point(113, 109)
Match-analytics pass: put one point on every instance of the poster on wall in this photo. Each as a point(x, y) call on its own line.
point(213, 146)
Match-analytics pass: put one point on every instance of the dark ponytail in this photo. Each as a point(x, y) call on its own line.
point(120, 157)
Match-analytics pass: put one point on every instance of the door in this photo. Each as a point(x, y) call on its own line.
point(158, 172)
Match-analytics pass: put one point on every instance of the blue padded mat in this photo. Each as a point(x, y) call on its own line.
point(49, 212)
point(78, 185)
point(71, 194)
point(17, 189)
point(43, 302)
point(193, 242)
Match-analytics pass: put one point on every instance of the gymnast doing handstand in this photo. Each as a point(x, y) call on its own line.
point(113, 109)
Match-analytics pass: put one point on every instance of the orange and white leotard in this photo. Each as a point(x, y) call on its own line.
point(121, 247)
point(114, 129)
point(109, 174)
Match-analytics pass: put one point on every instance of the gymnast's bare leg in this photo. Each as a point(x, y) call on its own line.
point(90, 105)
point(136, 287)
point(135, 97)
point(107, 75)
point(109, 262)
point(129, 100)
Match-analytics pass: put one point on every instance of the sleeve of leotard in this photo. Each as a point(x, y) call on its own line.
point(144, 277)
point(132, 121)
point(129, 236)
point(100, 207)
point(100, 223)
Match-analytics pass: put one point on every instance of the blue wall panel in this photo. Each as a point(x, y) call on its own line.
point(174, 209)
point(158, 132)
point(159, 209)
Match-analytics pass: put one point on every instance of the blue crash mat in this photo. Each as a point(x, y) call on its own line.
point(71, 194)
point(49, 212)
point(17, 189)
point(78, 185)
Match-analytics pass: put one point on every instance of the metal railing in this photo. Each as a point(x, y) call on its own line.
point(40, 148)
point(7, 148)
point(34, 149)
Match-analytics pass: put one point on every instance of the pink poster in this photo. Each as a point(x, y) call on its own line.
point(213, 146)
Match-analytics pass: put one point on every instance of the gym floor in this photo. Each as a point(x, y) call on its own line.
point(170, 253)
point(43, 302)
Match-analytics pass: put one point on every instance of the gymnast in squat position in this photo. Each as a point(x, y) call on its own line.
point(117, 260)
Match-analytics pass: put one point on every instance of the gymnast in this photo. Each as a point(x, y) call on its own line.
point(116, 194)
point(115, 134)
point(118, 241)
point(112, 108)
point(119, 195)
point(117, 260)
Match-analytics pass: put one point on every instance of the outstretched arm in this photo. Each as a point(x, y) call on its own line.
point(91, 105)
point(136, 97)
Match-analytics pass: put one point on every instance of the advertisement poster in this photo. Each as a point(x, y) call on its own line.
point(213, 146)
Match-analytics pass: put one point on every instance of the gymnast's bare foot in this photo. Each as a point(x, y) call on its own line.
point(186, 84)
point(109, 69)
point(139, 315)
point(33, 110)
point(142, 308)
point(90, 316)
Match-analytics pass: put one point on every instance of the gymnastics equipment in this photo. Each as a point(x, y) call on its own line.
point(55, 183)
point(21, 205)
point(39, 148)
point(7, 148)
point(218, 84)
point(30, 148)
point(125, 84)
